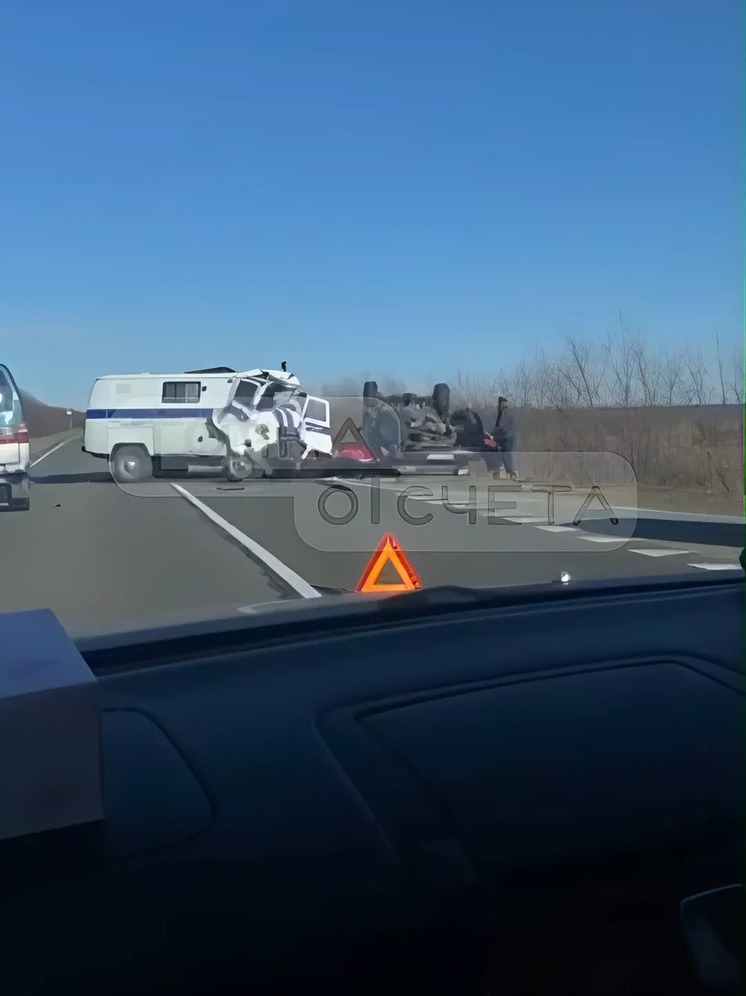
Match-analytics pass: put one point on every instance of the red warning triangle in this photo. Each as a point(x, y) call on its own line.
point(348, 427)
point(387, 552)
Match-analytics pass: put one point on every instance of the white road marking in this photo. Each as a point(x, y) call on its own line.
point(659, 552)
point(525, 520)
point(662, 513)
point(558, 529)
point(50, 452)
point(604, 539)
point(288, 575)
point(717, 567)
point(527, 497)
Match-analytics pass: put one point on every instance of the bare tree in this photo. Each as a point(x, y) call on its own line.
point(620, 370)
point(620, 359)
point(582, 372)
point(546, 391)
point(723, 400)
point(523, 386)
point(672, 369)
point(474, 392)
point(736, 376)
point(649, 374)
point(696, 388)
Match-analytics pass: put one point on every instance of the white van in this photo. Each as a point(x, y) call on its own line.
point(239, 424)
point(15, 457)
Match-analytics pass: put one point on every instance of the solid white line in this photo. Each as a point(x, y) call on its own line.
point(288, 575)
point(526, 520)
point(717, 567)
point(604, 539)
point(660, 552)
point(50, 452)
point(558, 529)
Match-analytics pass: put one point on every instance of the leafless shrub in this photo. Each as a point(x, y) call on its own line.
point(620, 352)
point(653, 407)
point(697, 390)
point(736, 376)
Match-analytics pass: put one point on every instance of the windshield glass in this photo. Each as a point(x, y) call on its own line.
point(245, 391)
point(498, 245)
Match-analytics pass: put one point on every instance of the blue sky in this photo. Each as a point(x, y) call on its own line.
point(393, 186)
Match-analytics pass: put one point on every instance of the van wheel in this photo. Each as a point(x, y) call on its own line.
point(240, 469)
point(130, 464)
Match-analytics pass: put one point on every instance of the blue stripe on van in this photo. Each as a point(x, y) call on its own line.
point(149, 413)
point(154, 413)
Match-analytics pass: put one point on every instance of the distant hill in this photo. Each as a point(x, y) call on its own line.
point(47, 420)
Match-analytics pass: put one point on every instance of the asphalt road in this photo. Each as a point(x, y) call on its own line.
point(106, 559)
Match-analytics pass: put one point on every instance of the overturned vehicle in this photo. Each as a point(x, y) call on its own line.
point(409, 432)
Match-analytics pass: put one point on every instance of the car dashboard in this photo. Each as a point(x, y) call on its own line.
point(516, 791)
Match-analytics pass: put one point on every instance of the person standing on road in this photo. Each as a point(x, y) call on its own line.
point(504, 434)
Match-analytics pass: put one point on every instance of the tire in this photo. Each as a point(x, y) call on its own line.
point(370, 389)
point(442, 399)
point(294, 454)
point(20, 498)
point(130, 464)
point(240, 469)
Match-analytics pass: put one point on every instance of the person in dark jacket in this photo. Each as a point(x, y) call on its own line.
point(504, 434)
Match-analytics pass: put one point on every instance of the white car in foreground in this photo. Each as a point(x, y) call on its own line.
point(15, 457)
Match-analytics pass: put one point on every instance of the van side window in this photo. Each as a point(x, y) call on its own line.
point(185, 392)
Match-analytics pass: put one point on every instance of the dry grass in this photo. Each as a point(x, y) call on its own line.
point(677, 422)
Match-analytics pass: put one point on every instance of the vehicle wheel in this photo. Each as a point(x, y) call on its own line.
point(130, 464)
point(370, 389)
point(240, 469)
point(442, 399)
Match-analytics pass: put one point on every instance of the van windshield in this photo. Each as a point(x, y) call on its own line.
point(245, 391)
point(272, 396)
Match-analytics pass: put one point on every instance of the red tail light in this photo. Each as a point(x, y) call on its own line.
point(17, 434)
